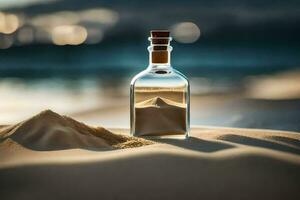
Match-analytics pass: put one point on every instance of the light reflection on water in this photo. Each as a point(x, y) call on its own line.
point(253, 102)
point(22, 98)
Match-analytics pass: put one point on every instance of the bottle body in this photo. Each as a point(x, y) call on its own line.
point(160, 103)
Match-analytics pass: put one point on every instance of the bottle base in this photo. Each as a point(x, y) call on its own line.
point(178, 137)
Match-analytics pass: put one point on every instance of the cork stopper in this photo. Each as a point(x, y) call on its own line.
point(160, 40)
point(160, 37)
point(160, 33)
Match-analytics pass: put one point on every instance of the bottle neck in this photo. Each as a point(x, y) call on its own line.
point(159, 52)
point(159, 57)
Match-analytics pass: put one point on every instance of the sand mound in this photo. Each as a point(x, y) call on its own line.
point(159, 102)
point(51, 131)
point(160, 116)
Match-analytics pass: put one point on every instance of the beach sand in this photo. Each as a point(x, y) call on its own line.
point(54, 157)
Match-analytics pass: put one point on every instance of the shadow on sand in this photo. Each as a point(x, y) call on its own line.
point(279, 143)
point(197, 144)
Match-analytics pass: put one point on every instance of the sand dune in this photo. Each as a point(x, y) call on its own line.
point(50, 131)
point(159, 102)
point(215, 163)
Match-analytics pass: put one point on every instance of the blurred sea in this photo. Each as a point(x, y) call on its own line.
point(124, 59)
point(91, 82)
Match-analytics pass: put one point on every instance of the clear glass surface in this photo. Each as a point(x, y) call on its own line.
point(160, 103)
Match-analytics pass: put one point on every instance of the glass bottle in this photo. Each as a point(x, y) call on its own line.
point(160, 95)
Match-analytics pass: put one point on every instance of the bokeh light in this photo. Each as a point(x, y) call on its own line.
point(185, 32)
point(55, 27)
point(100, 15)
point(95, 35)
point(9, 23)
point(25, 35)
point(6, 41)
point(69, 35)
point(55, 19)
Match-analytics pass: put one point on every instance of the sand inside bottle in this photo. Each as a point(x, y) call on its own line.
point(160, 112)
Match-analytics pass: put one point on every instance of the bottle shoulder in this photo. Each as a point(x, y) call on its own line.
point(159, 77)
point(138, 76)
point(181, 75)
